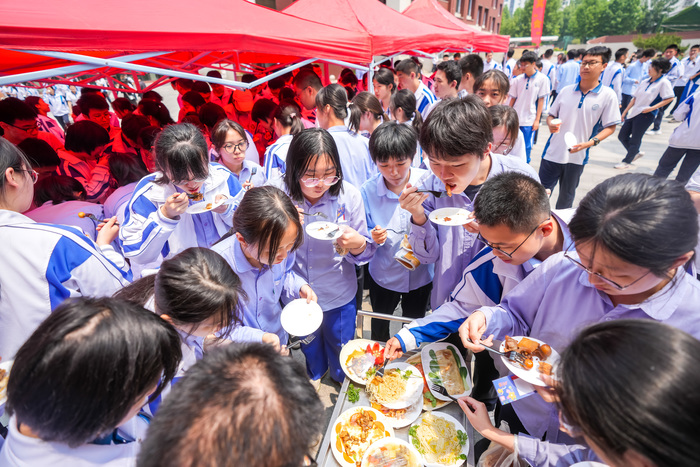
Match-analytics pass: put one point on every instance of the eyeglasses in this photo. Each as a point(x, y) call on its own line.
point(510, 255)
point(328, 181)
point(30, 129)
point(233, 148)
point(508, 147)
point(590, 64)
point(185, 182)
point(32, 173)
point(602, 277)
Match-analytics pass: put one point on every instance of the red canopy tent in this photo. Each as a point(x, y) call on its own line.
point(431, 12)
point(220, 33)
point(390, 32)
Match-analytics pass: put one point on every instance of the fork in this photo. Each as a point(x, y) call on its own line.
point(437, 194)
point(332, 233)
point(253, 171)
point(442, 390)
point(93, 217)
point(380, 372)
point(512, 355)
point(314, 214)
point(306, 340)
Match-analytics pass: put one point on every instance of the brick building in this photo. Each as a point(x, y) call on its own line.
point(485, 14)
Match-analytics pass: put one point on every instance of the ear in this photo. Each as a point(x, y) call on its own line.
point(488, 149)
point(11, 177)
point(240, 239)
point(605, 65)
point(682, 260)
point(547, 227)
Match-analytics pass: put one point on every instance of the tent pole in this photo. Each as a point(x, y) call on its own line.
point(277, 73)
point(346, 64)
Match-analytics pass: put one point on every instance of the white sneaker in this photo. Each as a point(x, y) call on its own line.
point(316, 383)
point(624, 166)
point(639, 155)
point(653, 132)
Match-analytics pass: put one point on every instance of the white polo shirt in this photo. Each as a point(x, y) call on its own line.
point(687, 134)
point(650, 93)
point(424, 99)
point(579, 114)
point(527, 90)
point(612, 77)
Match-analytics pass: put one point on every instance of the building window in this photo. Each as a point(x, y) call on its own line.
point(486, 18)
point(470, 9)
point(493, 24)
point(495, 4)
point(500, 10)
point(498, 28)
point(478, 17)
point(458, 8)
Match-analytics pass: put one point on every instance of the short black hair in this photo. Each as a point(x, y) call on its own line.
point(392, 140)
point(181, 152)
point(451, 70)
point(649, 53)
point(193, 98)
point(662, 64)
point(457, 127)
point(185, 83)
point(548, 53)
point(304, 148)
point(306, 78)
point(39, 152)
point(408, 66)
point(58, 189)
point(201, 87)
point(132, 125)
point(90, 356)
point(529, 57)
point(472, 64)
point(263, 109)
point(126, 168)
point(600, 51)
point(513, 199)
point(498, 78)
point(572, 54)
point(13, 109)
point(210, 114)
point(510, 53)
point(85, 136)
point(88, 102)
point(674, 47)
point(620, 52)
point(153, 95)
point(123, 104)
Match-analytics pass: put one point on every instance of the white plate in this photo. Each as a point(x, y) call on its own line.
point(8, 367)
point(426, 358)
point(345, 352)
point(300, 318)
point(320, 230)
point(532, 376)
point(409, 417)
point(570, 139)
point(458, 427)
point(345, 416)
point(427, 405)
point(414, 455)
point(414, 386)
point(456, 216)
point(204, 206)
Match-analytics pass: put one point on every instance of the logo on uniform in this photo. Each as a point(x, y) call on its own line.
point(595, 107)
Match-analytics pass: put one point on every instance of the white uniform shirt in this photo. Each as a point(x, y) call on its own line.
point(612, 78)
point(492, 65)
point(690, 68)
point(649, 94)
point(509, 66)
point(527, 90)
point(424, 99)
point(579, 114)
point(687, 134)
point(675, 72)
point(66, 213)
point(519, 148)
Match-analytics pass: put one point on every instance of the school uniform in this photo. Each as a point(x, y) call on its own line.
point(527, 90)
point(612, 78)
point(557, 300)
point(276, 157)
point(649, 93)
point(222, 101)
point(518, 149)
point(44, 265)
point(690, 69)
point(509, 66)
point(633, 75)
point(391, 282)
point(685, 140)
point(580, 114)
point(66, 213)
point(452, 248)
point(355, 160)
point(333, 278)
point(542, 453)
point(492, 65)
point(148, 237)
point(246, 174)
point(672, 76)
point(550, 71)
point(115, 204)
point(567, 74)
point(424, 99)
point(92, 175)
point(59, 108)
point(49, 125)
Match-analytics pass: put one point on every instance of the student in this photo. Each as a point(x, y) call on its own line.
point(509, 63)
point(146, 142)
point(245, 405)
point(366, 114)
point(332, 110)
point(384, 83)
point(123, 107)
point(125, 172)
point(550, 71)
point(409, 75)
point(613, 73)
point(568, 73)
point(230, 142)
point(191, 102)
point(527, 94)
point(315, 180)
point(306, 85)
point(691, 69)
point(45, 123)
point(41, 156)
point(95, 362)
point(156, 113)
point(507, 137)
point(126, 142)
point(471, 66)
point(156, 225)
point(260, 249)
point(18, 121)
point(220, 94)
point(490, 63)
point(95, 108)
point(262, 114)
point(392, 147)
point(652, 94)
point(203, 89)
point(674, 73)
point(403, 110)
point(58, 106)
point(492, 87)
point(605, 277)
point(286, 121)
point(456, 137)
point(82, 159)
point(446, 81)
point(685, 140)
point(581, 108)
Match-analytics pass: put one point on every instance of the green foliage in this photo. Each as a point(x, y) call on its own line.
point(589, 19)
point(519, 24)
point(623, 16)
point(658, 42)
point(653, 13)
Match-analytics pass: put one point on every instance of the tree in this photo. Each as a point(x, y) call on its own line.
point(590, 19)
point(568, 21)
point(623, 16)
point(657, 42)
point(519, 25)
point(653, 13)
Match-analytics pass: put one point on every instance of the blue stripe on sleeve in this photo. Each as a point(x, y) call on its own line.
point(126, 248)
point(234, 186)
point(424, 102)
point(143, 206)
point(435, 331)
point(65, 257)
point(488, 281)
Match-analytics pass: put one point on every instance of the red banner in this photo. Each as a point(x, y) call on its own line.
point(537, 21)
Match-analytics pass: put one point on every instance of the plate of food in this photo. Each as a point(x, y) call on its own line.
point(539, 357)
point(204, 206)
point(429, 401)
point(450, 216)
point(354, 431)
point(360, 358)
point(440, 439)
point(391, 452)
point(399, 418)
point(300, 319)
point(444, 365)
point(323, 230)
point(5, 368)
point(400, 387)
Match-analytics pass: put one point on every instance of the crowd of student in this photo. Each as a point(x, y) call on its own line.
point(120, 293)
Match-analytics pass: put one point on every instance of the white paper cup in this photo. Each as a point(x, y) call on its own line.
point(556, 122)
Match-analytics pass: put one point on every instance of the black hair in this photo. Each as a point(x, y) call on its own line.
point(499, 78)
point(514, 200)
point(548, 53)
point(306, 78)
point(39, 152)
point(287, 94)
point(643, 220)
point(626, 395)
point(510, 53)
point(305, 148)
point(580, 52)
point(90, 356)
point(147, 137)
point(123, 104)
point(193, 98)
point(218, 135)
point(649, 53)
point(126, 168)
point(385, 76)
point(348, 76)
point(185, 83)
point(13, 109)
point(600, 51)
point(392, 140)
point(88, 102)
point(210, 114)
point(661, 64)
point(85, 136)
point(673, 47)
point(406, 101)
point(133, 124)
point(507, 116)
point(192, 287)
point(695, 46)
point(11, 157)
point(201, 87)
point(572, 54)
point(456, 128)
point(277, 82)
point(153, 95)
point(58, 189)
point(181, 153)
point(288, 114)
point(365, 102)
point(214, 74)
point(239, 402)
point(335, 96)
point(452, 71)
point(408, 66)
point(528, 57)
point(33, 101)
point(472, 64)
point(457, 55)
point(157, 110)
point(248, 78)
point(620, 52)
point(263, 109)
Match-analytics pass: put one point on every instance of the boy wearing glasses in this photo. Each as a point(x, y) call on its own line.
point(18, 121)
point(583, 109)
